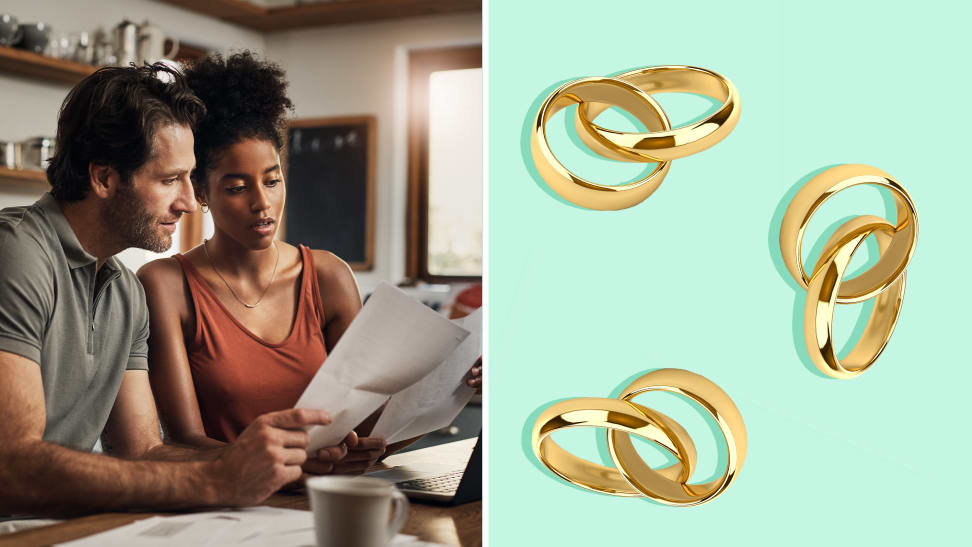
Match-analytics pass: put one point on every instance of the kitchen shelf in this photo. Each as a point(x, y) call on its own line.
point(322, 14)
point(28, 63)
point(24, 178)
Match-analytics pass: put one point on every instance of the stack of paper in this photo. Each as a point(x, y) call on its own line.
point(434, 401)
point(394, 342)
point(251, 527)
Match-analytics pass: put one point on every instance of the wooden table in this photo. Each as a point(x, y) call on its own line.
point(460, 525)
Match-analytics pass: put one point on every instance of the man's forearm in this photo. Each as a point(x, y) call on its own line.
point(40, 478)
point(177, 452)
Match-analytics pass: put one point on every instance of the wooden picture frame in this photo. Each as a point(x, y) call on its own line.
point(356, 197)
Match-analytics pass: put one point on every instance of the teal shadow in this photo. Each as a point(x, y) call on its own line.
point(799, 297)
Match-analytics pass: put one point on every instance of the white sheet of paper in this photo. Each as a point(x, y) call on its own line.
point(115, 536)
point(308, 538)
point(252, 527)
point(200, 529)
point(411, 472)
point(393, 342)
point(270, 526)
point(434, 402)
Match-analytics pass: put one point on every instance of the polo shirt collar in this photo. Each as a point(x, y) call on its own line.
point(73, 251)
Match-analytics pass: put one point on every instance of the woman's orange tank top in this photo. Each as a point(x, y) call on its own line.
point(237, 375)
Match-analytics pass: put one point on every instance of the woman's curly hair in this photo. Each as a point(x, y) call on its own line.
point(245, 98)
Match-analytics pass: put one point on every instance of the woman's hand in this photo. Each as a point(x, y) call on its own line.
point(352, 457)
point(475, 376)
point(361, 455)
point(324, 462)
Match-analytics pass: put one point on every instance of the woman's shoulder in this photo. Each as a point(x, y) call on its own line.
point(330, 267)
point(160, 270)
point(337, 286)
point(162, 279)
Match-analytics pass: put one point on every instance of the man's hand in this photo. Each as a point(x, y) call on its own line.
point(475, 376)
point(266, 456)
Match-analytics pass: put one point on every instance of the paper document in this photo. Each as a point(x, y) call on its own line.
point(252, 527)
point(434, 401)
point(197, 529)
point(392, 343)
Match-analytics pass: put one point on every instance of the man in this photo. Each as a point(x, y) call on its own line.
point(74, 324)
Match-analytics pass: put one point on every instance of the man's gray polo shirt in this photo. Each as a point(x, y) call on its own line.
point(84, 327)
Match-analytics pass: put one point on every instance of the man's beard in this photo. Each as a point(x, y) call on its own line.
point(132, 224)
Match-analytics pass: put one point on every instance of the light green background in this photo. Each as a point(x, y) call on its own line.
point(581, 301)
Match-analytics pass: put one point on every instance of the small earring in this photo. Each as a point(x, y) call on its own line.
point(204, 207)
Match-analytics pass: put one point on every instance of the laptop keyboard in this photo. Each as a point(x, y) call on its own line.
point(445, 483)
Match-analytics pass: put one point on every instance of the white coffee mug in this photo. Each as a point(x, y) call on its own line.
point(356, 511)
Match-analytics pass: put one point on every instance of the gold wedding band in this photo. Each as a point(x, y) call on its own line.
point(817, 191)
point(717, 404)
point(631, 91)
point(818, 320)
point(826, 286)
point(673, 143)
point(574, 188)
point(623, 417)
point(631, 476)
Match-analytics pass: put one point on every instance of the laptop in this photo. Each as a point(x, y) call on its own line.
point(441, 487)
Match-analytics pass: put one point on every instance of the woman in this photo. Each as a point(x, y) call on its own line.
point(241, 323)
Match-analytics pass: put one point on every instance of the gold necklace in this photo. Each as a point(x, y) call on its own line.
point(272, 276)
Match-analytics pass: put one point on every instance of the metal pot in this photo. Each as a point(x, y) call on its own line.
point(37, 152)
point(10, 155)
point(126, 43)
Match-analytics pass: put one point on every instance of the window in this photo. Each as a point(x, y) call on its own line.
point(445, 178)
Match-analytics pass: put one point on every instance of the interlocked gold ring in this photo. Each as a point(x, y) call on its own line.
point(826, 286)
point(631, 91)
point(631, 476)
point(818, 190)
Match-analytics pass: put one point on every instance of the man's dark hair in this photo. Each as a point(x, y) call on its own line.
point(245, 98)
point(110, 118)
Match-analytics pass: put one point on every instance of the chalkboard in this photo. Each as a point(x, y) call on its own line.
point(330, 186)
